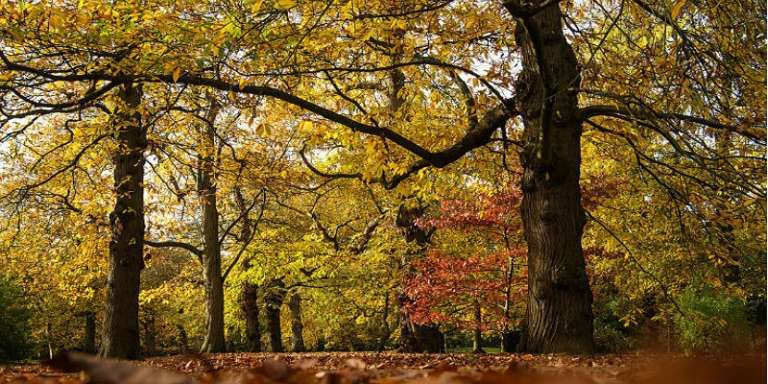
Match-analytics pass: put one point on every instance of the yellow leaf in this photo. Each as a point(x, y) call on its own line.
point(110, 104)
point(284, 4)
point(677, 8)
point(263, 130)
point(256, 6)
point(305, 126)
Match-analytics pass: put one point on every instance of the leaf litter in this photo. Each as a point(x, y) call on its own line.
point(393, 368)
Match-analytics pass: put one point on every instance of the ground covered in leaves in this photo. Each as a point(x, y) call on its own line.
point(393, 368)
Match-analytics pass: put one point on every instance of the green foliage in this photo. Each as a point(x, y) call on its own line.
point(611, 336)
point(14, 321)
point(610, 332)
point(712, 321)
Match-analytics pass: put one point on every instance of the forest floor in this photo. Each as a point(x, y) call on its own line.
point(394, 368)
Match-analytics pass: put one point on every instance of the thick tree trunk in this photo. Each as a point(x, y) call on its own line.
point(250, 306)
point(509, 341)
point(89, 339)
point(430, 338)
point(559, 314)
point(273, 301)
point(477, 333)
point(297, 327)
point(214, 283)
point(121, 322)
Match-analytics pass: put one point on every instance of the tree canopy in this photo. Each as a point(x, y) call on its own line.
point(578, 175)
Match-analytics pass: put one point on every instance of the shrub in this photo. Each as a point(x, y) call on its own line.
point(14, 321)
point(611, 335)
point(711, 322)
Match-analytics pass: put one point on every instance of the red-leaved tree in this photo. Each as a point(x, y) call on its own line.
point(456, 288)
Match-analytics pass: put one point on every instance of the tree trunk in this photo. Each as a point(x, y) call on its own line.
point(384, 328)
point(89, 340)
point(559, 314)
point(273, 301)
point(150, 335)
point(121, 322)
point(430, 338)
point(214, 283)
point(297, 327)
point(507, 343)
point(477, 334)
point(250, 306)
point(49, 338)
point(183, 341)
point(408, 341)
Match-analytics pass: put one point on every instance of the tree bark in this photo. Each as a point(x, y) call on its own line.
point(509, 341)
point(384, 328)
point(273, 301)
point(214, 283)
point(121, 323)
point(150, 334)
point(250, 306)
point(183, 341)
point(297, 327)
point(559, 313)
point(507, 345)
point(477, 334)
point(89, 339)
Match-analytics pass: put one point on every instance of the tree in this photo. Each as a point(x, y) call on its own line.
point(15, 330)
point(661, 89)
point(126, 251)
point(450, 286)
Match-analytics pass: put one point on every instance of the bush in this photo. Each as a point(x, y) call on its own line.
point(611, 337)
point(14, 321)
point(711, 322)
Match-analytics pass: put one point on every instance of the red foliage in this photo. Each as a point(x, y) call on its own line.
point(500, 210)
point(443, 286)
point(596, 188)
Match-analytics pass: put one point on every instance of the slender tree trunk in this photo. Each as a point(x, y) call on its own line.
point(408, 341)
point(297, 327)
point(121, 323)
point(559, 314)
point(273, 301)
point(89, 339)
point(477, 334)
point(730, 273)
point(507, 344)
point(250, 306)
point(214, 283)
point(48, 338)
point(384, 328)
point(183, 340)
point(150, 334)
